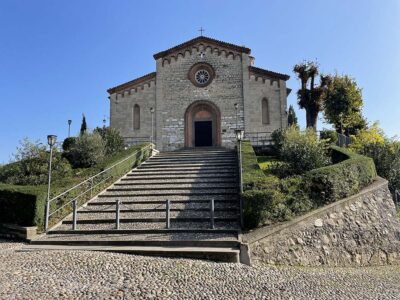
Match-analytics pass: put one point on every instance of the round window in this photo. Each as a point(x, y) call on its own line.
point(201, 74)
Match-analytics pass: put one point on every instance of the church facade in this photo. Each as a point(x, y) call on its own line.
point(201, 92)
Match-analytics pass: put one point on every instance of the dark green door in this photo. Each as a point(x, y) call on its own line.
point(203, 133)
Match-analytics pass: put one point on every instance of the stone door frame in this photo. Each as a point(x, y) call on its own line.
point(190, 119)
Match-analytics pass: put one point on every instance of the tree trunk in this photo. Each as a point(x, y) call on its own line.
point(311, 119)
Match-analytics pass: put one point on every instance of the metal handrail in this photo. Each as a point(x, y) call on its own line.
point(86, 181)
point(240, 173)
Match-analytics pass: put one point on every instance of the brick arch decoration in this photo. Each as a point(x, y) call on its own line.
point(193, 113)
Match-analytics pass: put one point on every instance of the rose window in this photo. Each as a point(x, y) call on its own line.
point(202, 76)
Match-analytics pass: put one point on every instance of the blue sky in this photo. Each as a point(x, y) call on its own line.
point(57, 58)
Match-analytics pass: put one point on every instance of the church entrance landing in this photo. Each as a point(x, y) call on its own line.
point(202, 125)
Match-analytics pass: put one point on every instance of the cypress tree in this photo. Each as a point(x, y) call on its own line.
point(83, 125)
point(292, 118)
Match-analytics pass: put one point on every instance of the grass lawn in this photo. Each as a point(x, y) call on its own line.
point(265, 161)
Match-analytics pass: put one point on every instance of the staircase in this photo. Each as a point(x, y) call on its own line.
point(189, 179)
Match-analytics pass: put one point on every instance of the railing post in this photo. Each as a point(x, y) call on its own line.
point(91, 188)
point(397, 198)
point(46, 221)
point(74, 215)
point(168, 204)
point(212, 214)
point(117, 211)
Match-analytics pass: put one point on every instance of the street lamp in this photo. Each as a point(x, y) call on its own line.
point(239, 137)
point(51, 140)
point(69, 127)
point(237, 109)
point(104, 122)
point(152, 124)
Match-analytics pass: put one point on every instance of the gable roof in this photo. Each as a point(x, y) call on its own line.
point(203, 39)
point(132, 83)
point(268, 73)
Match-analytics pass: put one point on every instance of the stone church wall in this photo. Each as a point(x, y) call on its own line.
point(272, 91)
point(360, 230)
point(175, 93)
point(122, 111)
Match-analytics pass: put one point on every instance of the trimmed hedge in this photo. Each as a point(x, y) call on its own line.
point(22, 205)
point(268, 200)
point(350, 173)
point(25, 205)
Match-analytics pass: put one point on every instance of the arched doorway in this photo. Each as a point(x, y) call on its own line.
point(202, 125)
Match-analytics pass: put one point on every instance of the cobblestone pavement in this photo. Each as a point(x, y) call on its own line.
point(97, 275)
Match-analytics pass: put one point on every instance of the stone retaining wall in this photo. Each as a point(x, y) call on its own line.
point(357, 231)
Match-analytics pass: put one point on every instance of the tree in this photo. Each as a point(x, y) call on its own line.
point(343, 105)
point(113, 140)
point(292, 118)
point(83, 125)
point(87, 150)
point(309, 95)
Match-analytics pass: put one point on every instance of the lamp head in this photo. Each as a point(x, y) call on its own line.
point(152, 110)
point(236, 106)
point(239, 133)
point(69, 122)
point(51, 139)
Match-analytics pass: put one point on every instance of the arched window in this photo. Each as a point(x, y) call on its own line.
point(136, 117)
point(265, 111)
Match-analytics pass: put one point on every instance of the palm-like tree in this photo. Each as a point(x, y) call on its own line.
point(310, 97)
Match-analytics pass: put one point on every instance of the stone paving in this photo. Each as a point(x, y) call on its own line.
point(97, 275)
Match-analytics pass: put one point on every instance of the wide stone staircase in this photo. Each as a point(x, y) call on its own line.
point(204, 221)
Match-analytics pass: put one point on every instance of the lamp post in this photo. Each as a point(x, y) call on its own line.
point(69, 127)
point(51, 140)
point(237, 110)
point(104, 122)
point(152, 124)
point(239, 137)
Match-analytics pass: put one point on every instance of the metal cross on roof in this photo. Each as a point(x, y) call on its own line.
point(201, 31)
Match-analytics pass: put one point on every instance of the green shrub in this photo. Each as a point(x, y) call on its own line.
point(87, 151)
point(386, 157)
point(277, 139)
point(25, 205)
point(330, 136)
point(113, 140)
point(303, 151)
point(263, 207)
point(343, 179)
point(22, 205)
point(68, 143)
point(31, 167)
point(295, 189)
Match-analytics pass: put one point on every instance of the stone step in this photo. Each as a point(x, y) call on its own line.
point(151, 225)
point(160, 219)
point(162, 180)
point(145, 240)
point(162, 160)
point(136, 172)
point(142, 232)
point(167, 169)
point(179, 175)
point(192, 166)
point(137, 237)
point(177, 207)
point(120, 192)
point(174, 186)
point(225, 254)
point(134, 198)
point(177, 215)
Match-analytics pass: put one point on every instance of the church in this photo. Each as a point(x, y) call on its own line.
point(201, 92)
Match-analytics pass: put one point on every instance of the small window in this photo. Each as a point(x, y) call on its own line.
point(265, 111)
point(136, 117)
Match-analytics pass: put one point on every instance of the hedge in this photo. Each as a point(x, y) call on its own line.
point(253, 176)
point(268, 200)
point(25, 205)
point(347, 176)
